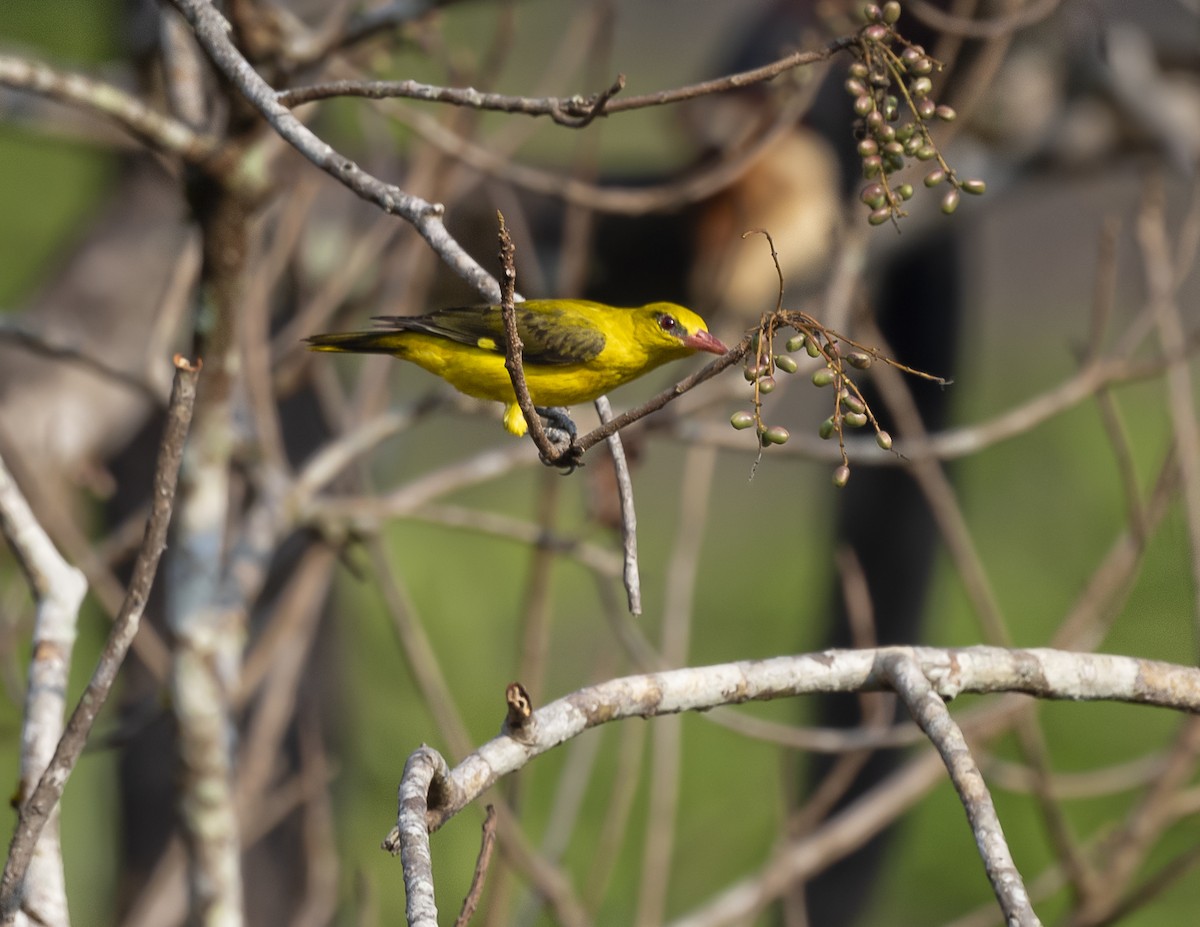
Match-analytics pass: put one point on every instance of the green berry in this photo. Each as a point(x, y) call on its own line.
point(785, 363)
point(827, 429)
point(974, 187)
point(853, 404)
point(874, 195)
point(841, 476)
point(884, 440)
point(741, 420)
point(950, 201)
point(796, 342)
point(776, 434)
point(859, 360)
point(766, 384)
point(822, 377)
point(855, 419)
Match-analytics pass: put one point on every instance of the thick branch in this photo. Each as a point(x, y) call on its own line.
point(929, 711)
point(1053, 674)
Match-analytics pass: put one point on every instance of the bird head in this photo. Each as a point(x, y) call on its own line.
point(679, 326)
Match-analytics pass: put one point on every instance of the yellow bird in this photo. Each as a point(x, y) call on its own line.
point(573, 350)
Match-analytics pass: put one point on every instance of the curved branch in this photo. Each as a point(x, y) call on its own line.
point(1045, 673)
point(212, 31)
point(155, 129)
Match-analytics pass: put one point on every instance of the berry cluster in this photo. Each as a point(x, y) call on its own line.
point(850, 409)
point(885, 85)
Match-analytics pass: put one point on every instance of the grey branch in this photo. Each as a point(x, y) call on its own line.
point(212, 31)
point(929, 711)
point(431, 795)
point(155, 129)
point(44, 798)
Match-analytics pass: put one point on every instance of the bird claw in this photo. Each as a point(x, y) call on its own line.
point(560, 429)
point(557, 419)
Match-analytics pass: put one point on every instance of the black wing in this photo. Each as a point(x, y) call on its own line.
point(551, 334)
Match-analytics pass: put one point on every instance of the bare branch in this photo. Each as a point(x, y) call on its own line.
point(212, 30)
point(614, 425)
point(160, 132)
point(1160, 281)
point(513, 347)
point(471, 902)
point(632, 576)
point(929, 711)
point(45, 797)
point(58, 589)
point(574, 112)
point(431, 794)
point(1040, 672)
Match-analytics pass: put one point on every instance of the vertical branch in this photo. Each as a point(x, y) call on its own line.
point(667, 740)
point(513, 346)
point(59, 589)
point(929, 711)
point(209, 636)
point(1160, 281)
point(41, 802)
point(632, 575)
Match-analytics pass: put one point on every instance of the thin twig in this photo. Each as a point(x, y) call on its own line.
point(614, 425)
point(36, 343)
point(44, 798)
point(575, 111)
point(513, 346)
point(471, 902)
point(956, 443)
point(631, 575)
point(1160, 283)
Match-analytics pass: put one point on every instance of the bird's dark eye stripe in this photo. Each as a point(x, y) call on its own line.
point(668, 323)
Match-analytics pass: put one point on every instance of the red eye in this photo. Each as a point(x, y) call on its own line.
point(668, 324)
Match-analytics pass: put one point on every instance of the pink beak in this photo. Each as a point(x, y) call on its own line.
point(703, 341)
